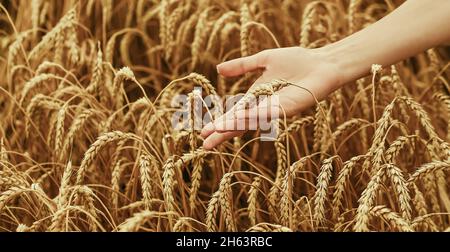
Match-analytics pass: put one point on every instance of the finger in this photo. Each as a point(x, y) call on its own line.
point(217, 138)
point(207, 130)
point(236, 125)
point(252, 119)
point(267, 109)
point(240, 66)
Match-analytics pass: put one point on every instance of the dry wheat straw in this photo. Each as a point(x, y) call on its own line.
point(8, 180)
point(352, 11)
point(342, 129)
point(445, 101)
point(85, 195)
point(38, 102)
point(15, 47)
point(115, 182)
point(377, 148)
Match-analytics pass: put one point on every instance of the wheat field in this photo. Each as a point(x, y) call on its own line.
point(87, 142)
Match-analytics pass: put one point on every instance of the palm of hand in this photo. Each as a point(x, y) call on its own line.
point(302, 67)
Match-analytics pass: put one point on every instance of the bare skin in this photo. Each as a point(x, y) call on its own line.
point(414, 27)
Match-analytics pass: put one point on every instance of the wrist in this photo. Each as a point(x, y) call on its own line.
point(349, 63)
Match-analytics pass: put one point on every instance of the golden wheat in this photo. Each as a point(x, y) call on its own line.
point(88, 140)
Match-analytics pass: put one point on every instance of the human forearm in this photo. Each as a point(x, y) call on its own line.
point(412, 28)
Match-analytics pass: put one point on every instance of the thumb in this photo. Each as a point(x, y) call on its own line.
point(241, 66)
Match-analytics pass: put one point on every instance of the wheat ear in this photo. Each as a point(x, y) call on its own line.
point(226, 202)
point(321, 195)
point(65, 183)
point(95, 148)
point(367, 200)
point(252, 200)
point(245, 33)
point(211, 212)
point(392, 217)
point(145, 164)
point(341, 182)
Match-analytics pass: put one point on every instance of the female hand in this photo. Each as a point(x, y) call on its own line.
point(309, 68)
